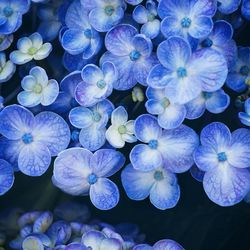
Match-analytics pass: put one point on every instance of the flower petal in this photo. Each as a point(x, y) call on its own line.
point(6, 176)
point(50, 93)
point(43, 52)
point(104, 194)
point(137, 184)
point(226, 186)
point(29, 99)
point(19, 58)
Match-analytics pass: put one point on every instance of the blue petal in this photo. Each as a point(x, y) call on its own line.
point(15, 121)
point(12, 24)
point(6, 176)
point(177, 147)
point(51, 130)
point(236, 82)
point(29, 99)
point(167, 244)
point(156, 94)
point(216, 135)
point(145, 159)
point(91, 74)
point(159, 77)
point(247, 106)
point(204, 7)
point(103, 22)
point(71, 169)
point(239, 153)
point(222, 32)
point(170, 26)
point(210, 69)
point(118, 40)
point(142, 44)
point(137, 184)
point(147, 128)
point(32, 243)
point(244, 118)
point(228, 6)
point(151, 29)
point(43, 222)
point(172, 52)
point(142, 247)
point(196, 173)
point(74, 41)
point(227, 186)
point(92, 137)
point(196, 107)
point(107, 162)
point(104, 194)
point(140, 14)
point(9, 150)
point(172, 117)
point(69, 82)
point(34, 159)
point(93, 239)
point(165, 193)
point(76, 246)
point(81, 117)
point(206, 158)
point(218, 102)
point(154, 107)
point(245, 10)
point(201, 27)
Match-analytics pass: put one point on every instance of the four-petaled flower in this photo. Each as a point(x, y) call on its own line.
point(79, 172)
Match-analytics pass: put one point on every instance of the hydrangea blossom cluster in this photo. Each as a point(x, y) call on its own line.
point(103, 89)
point(70, 227)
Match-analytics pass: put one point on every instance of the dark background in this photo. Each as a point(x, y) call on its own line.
point(196, 222)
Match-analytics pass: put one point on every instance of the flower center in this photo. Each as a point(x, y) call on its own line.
point(109, 10)
point(32, 51)
point(186, 22)
point(27, 138)
point(134, 55)
point(207, 95)
point(244, 70)
point(7, 11)
point(151, 17)
point(153, 144)
point(222, 156)
point(122, 129)
point(207, 43)
point(88, 33)
point(96, 116)
point(165, 102)
point(92, 179)
point(101, 84)
point(38, 88)
point(158, 175)
point(181, 72)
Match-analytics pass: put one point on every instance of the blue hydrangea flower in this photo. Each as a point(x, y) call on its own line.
point(38, 89)
point(170, 115)
point(92, 122)
point(28, 142)
point(215, 102)
point(98, 240)
point(50, 24)
point(79, 172)
point(7, 68)
point(103, 15)
point(66, 98)
point(185, 74)
point(245, 116)
point(6, 176)
point(147, 17)
point(11, 12)
point(121, 130)
point(80, 37)
point(5, 41)
point(29, 48)
point(186, 18)
point(220, 39)
point(225, 159)
point(237, 79)
point(132, 55)
point(245, 9)
point(97, 84)
point(171, 148)
point(228, 6)
point(159, 184)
